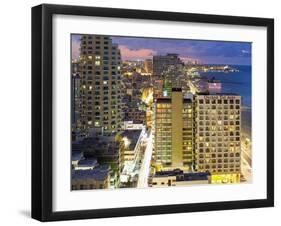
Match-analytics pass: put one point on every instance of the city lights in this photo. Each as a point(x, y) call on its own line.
point(126, 141)
point(158, 119)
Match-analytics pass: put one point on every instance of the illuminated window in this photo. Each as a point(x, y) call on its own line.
point(97, 63)
point(231, 128)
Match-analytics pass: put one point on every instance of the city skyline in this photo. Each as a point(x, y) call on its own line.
point(144, 115)
point(206, 52)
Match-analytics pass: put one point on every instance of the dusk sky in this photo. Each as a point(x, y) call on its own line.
point(207, 52)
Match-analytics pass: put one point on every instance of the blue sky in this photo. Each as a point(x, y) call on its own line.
point(209, 52)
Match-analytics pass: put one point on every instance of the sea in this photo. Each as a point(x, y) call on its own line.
point(238, 83)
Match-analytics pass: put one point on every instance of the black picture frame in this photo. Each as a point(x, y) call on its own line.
point(42, 111)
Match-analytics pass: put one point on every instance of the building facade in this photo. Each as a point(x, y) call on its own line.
point(161, 63)
point(199, 133)
point(218, 131)
point(214, 86)
point(158, 86)
point(173, 131)
point(75, 94)
point(100, 84)
point(148, 66)
point(90, 179)
point(136, 115)
point(75, 100)
point(177, 177)
point(132, 145)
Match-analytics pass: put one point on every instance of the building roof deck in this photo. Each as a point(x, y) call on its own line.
point(94, 174)
point(88, 163)
point(181, 176)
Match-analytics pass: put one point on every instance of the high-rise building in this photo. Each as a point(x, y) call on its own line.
point(199, 134)
point(75, 100)
point(162, 63)
point(100, 84)
point(148, 66)
point(75, 97)
point(218, 130)
point(136, 115)
point(173, 129)
point(158, 86)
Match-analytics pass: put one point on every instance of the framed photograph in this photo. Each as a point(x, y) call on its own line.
point(146, 112)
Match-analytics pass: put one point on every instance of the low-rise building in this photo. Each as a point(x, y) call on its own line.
point(178, 178)
point(85, 164)
point(76, 156)
point(132, 145)
point(90, 179)
point(130, 125)
point(214, 86)
point(106, 150)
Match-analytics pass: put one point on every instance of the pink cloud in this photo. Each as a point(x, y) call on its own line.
point(135, 54)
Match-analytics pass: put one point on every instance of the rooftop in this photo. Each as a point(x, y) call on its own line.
point(133, 137)
point(169, 173)
point(181, 176)
point(194, 176)
point(105, 145)
point(163, 100)
point(219, 94)
point(169, 100)
point(76, 155)
point(88, 162)
point(94, 174)
point(214, 81)
point(176, 89)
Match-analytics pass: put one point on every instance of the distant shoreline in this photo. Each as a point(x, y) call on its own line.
point(246, 108)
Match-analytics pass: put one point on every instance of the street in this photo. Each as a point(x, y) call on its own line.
point(246, 154)
point(246, 166)
point(246, 170)
point(145, 166)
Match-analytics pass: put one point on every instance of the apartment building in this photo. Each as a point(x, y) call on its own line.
point(101, 106)
point(217, 136)
point(173, 129)
point(161, 63)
